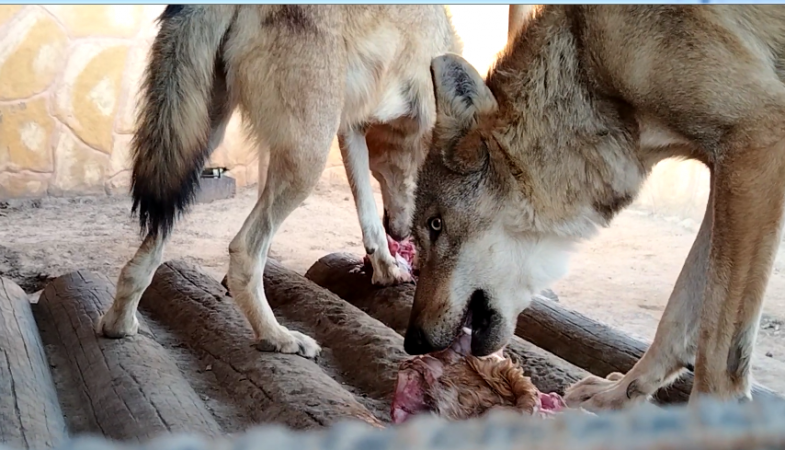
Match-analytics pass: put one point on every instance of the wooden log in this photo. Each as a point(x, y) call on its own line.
point(571, 336)
point(125, 389)
point(274, 388)
point(363, 350)
point(345, 275)
point(30, 414)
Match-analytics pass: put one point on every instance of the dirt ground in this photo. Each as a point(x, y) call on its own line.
point(623, 277)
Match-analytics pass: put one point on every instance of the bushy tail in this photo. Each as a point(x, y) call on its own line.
point(171, 143)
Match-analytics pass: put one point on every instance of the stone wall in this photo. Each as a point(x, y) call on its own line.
point(69, 78)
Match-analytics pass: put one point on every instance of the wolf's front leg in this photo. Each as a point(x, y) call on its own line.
point(386, 271)
point(674, 344)
point(749, 206)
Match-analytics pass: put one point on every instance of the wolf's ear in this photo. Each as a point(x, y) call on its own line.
point(470, 155)
point(461, 93)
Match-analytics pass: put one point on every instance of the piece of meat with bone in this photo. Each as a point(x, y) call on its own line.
point(403, 252)
point(456, 385)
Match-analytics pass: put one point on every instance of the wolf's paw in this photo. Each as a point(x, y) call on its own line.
point(290, 342)
point(597, 394)
point(390, 273)
point(117, 325)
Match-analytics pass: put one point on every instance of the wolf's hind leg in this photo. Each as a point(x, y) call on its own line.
point(291, 99)
point(292, 174)
point(120, 320)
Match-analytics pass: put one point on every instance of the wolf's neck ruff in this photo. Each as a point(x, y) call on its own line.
point(572, 141)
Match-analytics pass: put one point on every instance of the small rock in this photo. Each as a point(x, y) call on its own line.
point(769, 354)
point(209, 367)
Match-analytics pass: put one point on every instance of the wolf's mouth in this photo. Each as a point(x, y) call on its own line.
point(481, 319)
point(466, 322)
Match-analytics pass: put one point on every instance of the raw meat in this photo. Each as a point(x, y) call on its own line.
point(403, 252)
point(456, 385)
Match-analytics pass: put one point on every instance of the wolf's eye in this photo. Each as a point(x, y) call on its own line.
point(435, 227)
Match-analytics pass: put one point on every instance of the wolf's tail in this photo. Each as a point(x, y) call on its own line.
point(171, 142)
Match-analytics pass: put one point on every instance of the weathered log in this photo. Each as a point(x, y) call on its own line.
point(126, 389)
point(346, 276)
point(30, 414)
point(272, 387)
point(365, 351)
point(571, 336)
point(357, 336)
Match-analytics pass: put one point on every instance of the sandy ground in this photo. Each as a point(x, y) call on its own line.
point(623, 277)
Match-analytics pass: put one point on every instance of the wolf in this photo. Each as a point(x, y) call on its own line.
point(300, 74)
point(559, 137)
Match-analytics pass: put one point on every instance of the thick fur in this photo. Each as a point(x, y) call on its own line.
point(185, 98)
point(300, 74)
point(560, 136)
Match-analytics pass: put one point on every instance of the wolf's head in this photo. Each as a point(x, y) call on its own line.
point(482, 251)
point(396, 152)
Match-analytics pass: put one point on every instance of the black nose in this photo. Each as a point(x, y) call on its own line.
point(416, 343)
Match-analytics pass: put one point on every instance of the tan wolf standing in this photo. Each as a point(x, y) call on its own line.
point(300, 74)
point(560, 136)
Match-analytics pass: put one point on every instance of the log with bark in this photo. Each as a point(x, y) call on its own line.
point(277, 388)
point(30, 414)
point(126, 389)
point(347, 276)
point(571, 336)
